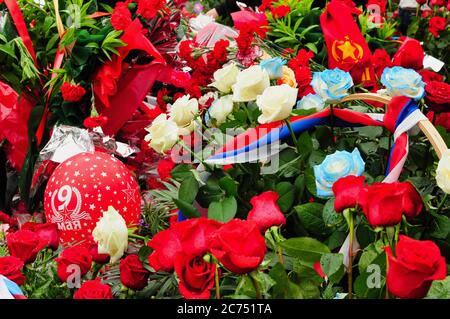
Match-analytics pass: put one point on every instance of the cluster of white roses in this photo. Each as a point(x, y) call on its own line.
point(252, 84)
point(274, 102)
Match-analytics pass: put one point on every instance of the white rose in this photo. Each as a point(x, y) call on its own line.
point(311, 101)
point(276, 103)
point(182, 112)
point(443, 172)
point(250, 83)
point(163, 134)
point(111, 234)
point(221, 108)
point(225, 77)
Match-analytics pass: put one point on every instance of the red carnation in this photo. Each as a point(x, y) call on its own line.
point(266, 212)
point(239, 246)
point(380, 61)
point(410, 55)
point(438, 96)
point(436, 25)
point(11, 268)
point(132, 273)
point(72, 93)
point(75, 259)
point(385, 203)
point(280, 12)
point(196, 276)
point(347, 191)
point(93, 289)
point(414, 267)
point(95, 121)
point(164, 168)
point(121, 16)
point(149, 8)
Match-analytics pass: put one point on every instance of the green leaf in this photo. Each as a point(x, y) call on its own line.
point(229, 186)
point(143, 253)
point(287, 193)
point(188, 189)
point(187, 209)
point(310, 215)
point(305, 144)
point(329, 215)
point(180, 172)
point(312, 47)
point(224, 210)
point(370, 132)
point(440, 227)
point(284, 287)
point(310, 181)
point(440, 289)
point(333, 266)
point(305, 248)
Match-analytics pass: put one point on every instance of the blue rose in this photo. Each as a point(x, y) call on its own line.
point(335, 166)
point(274, 67)
point(311, 101)
point(332, 85)
point(400, 81)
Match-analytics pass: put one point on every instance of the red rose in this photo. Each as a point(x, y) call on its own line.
point(190, 236)
point(436, 25)
point(413, 268)
point(24, 244)
point(437, 3)
point(98, 258)
point(121, 16)
point(77, 256)
point(380, 60)
point(384, 203)
point(409, 55)
point(132, 273)
point(280, 11)
point(427, 13)
point(93, 289)
point(72, 93)
point(347, 191)
point(239, 246)
point(428, 76)
point(164, 168)
point(95, 121)
point(438, 96)
point(11, 268)
point(49, 234)
point(6, 219)
point(442, 119)
point(266, 212)
point(421, 2)
point(196, 276)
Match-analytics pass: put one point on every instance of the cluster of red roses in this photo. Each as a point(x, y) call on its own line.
point(203, 66)
point(238, 245)
point(148, 9)
point(436, 24)
point(416, 263)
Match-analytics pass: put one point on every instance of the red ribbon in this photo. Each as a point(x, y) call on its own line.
point(19, 22)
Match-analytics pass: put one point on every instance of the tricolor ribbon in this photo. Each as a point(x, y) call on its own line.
point(255, 144)
point(9, 289)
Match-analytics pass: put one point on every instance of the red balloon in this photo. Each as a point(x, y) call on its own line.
point(81, 189)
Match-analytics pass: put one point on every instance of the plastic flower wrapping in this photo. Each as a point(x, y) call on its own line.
point(157, 149)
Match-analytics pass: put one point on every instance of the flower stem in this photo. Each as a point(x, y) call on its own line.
point(441, 204)
point(256, 286)
point(351, 227)
point(294, 138)
point(186, 148)
point(135, 236)
point(216, 280)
